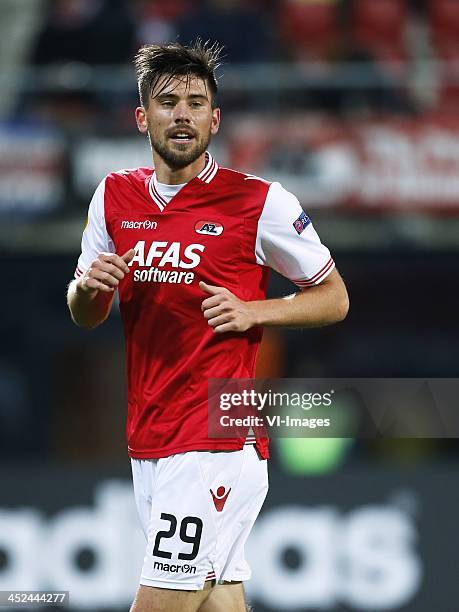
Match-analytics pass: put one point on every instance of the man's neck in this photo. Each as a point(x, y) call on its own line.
point(171, 176)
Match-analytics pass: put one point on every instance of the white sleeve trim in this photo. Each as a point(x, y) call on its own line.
point(318, 277)
point(95, 239)
point(297, 254)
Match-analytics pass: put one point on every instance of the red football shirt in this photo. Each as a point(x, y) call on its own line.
point(223, 227)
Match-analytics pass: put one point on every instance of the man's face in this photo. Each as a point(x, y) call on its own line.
point(179, 120)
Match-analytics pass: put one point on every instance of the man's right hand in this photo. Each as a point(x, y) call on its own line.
point(105, 273)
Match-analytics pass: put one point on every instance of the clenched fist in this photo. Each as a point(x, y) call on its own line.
point(225, 312)
point(105, 273)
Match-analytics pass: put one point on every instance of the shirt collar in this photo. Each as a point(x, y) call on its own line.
point(210, 169)
point(206, 175)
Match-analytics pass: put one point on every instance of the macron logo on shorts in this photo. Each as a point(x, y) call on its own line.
point(220, 498)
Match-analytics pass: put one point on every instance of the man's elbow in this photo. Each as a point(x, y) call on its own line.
point(82, 320)
point(86, 324)
point(85, 315)
point(341, 307)
point(337, 298)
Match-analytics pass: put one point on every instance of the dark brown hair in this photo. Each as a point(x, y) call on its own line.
point(153, 62)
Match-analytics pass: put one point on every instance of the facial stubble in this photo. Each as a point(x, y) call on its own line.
point(176, 158)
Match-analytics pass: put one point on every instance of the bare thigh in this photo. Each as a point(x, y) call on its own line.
point(152, 599)
point(228, 597)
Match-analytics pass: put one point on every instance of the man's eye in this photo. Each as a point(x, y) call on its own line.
point(167, 103)
point(196, 104)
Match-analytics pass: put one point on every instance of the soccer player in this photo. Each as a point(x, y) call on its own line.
point(188, 245)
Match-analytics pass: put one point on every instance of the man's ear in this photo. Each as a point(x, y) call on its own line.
point(141, 119)
point(215, 121)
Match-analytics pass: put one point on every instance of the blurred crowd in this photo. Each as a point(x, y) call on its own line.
point(109, 31)
point(380, 38)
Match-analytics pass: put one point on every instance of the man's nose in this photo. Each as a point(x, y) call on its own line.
point(182, 113)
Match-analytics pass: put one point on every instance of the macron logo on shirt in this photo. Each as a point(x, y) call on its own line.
point(147, 224)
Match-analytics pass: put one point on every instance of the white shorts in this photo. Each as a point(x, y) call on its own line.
point(197, 510)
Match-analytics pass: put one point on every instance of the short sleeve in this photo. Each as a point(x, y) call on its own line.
point(288, 243)
point(95, 238)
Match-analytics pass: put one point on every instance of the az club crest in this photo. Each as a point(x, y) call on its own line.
point(209, 228)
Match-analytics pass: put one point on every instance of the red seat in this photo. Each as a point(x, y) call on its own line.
point(382, 21)
point(379, 26)
point(444, 17)
point(389, 53)
point(444, 27)
point(166, 9)
point(309, 25)
point(448, 99)
point(447, 48)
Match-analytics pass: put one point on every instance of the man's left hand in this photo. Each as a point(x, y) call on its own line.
point(225, 312)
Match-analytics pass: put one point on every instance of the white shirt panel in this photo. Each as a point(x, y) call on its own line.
point(95, 238)
point(300, 257)
point(167, 191)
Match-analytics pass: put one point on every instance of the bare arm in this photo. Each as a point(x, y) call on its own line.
point(90, 297)
point(317, 306)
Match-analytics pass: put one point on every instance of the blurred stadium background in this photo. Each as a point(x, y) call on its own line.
point(353, 105)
